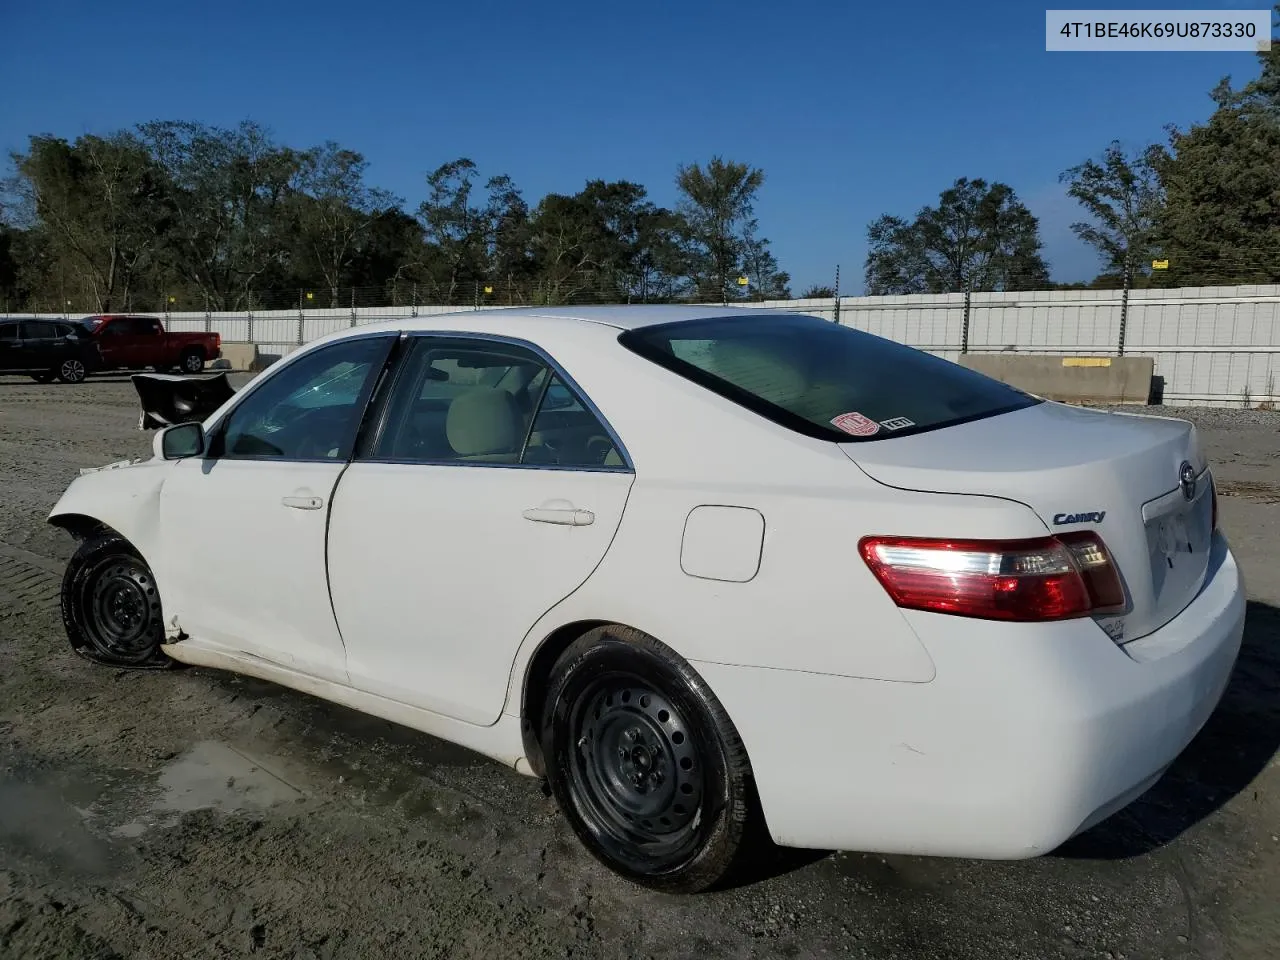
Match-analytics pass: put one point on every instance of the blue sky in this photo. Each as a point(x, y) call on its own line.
point(851, 109)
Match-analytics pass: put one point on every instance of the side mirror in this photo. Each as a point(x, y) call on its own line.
point(179, 441)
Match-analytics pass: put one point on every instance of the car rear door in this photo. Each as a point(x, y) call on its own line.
point(10, 347)
point(474, 507)
point(243, 527)
point(40, 348)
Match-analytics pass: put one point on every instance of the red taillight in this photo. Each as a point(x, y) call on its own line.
point(1053, 578)
point(217, 339)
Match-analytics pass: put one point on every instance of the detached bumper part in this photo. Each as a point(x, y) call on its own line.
point(168, 399)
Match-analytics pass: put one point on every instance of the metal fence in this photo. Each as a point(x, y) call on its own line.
point(1211, 345)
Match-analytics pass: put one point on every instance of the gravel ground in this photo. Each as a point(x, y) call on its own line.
point(196, 814)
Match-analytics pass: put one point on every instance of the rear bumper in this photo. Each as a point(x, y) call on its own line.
point(1026, 736)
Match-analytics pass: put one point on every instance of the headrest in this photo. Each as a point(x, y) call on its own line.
point(484, 421)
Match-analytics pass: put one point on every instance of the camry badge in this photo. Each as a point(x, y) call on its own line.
point(1093, 516)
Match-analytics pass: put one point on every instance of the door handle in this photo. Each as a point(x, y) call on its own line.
point(303, 503)
point(567, 516)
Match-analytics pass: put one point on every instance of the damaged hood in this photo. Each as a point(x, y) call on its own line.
point(168, 399)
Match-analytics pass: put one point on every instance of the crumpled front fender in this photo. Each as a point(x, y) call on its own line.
point(124, 497)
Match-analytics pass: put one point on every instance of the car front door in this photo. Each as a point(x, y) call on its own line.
point(243, 526)
point(115, 341)
point(473, 508)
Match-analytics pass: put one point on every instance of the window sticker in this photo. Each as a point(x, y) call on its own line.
point(855, 424)
point(897, 423)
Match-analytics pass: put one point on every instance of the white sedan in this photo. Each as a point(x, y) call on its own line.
point(693, 566)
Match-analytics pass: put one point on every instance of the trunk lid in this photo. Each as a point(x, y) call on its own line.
point(1078, 469)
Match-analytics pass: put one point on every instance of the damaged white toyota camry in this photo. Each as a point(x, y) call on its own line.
point(694, 567)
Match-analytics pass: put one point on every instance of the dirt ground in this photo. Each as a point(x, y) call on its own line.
point(195, 814)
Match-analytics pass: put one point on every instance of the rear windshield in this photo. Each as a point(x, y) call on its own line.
point(822, 379)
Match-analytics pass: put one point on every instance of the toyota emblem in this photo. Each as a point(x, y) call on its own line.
point(1187, 480)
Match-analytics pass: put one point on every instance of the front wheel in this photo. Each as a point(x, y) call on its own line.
point(644, 762)
point(111, 607)
point(72, 371)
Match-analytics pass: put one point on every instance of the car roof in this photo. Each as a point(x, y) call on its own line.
point(622, 317)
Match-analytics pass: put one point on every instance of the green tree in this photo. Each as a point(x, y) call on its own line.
point(1124, 198)
point(229, 227)
point(335, 211)
point(99, 203)
point(455, 229)
point(1221, 219)
point(818, 292)
point(606, 241)
point(766, 280)
point(716, 203)
point(980, 236)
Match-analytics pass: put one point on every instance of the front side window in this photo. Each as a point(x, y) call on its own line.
point(822, 379)
point(310, 410)
point(477, 401)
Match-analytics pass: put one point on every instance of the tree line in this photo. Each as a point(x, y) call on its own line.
point(213, 218)
point(204, 217)
point(1205, 206)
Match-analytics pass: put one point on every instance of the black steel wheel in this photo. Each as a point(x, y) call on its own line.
point(192, 361)
point(111, 607)
point(72, 371)
point(644, 762)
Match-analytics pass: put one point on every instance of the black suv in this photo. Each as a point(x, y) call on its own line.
point(46, 349)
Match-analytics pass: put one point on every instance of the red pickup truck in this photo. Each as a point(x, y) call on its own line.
point(130, 342)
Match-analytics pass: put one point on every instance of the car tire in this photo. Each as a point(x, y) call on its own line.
point(44, 376)
point(192, 361)
point(645, 763)
point(72, 371)
point(111, 607)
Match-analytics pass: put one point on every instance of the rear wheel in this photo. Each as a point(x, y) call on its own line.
point(111, 607)
point(192, 361)
point(72, 371)
point(644, 762)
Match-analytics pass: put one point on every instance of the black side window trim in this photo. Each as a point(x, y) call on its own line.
point(378, 420)
point(370, 392)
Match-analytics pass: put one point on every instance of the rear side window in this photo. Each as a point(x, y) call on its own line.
point(38, 330)
point(822, 379)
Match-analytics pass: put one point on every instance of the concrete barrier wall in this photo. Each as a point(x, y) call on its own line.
point(237, 356)
point(1069, 378)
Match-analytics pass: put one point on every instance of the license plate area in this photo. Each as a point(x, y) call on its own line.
point(1178, 539)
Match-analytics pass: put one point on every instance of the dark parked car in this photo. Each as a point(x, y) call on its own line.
point(46, 349)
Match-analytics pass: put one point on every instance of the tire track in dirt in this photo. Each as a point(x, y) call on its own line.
point(27, 580)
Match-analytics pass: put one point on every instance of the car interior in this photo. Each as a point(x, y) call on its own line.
point(479, 407)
